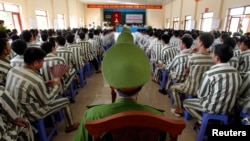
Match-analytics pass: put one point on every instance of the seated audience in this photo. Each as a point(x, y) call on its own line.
point(218, 90)
point(13, 127)
point(26, 85)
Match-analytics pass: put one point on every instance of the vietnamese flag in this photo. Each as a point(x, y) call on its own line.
point(116, 18)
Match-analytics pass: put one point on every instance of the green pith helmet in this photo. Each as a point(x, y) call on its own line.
point(125, 29)
point(125, 65)
point(125, 37)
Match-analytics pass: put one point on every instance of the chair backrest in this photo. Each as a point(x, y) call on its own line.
point(135, 125)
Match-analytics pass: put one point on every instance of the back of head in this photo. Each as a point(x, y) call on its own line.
point(91, 35)
point(82, 35)
point(14, 37)
point(207, 39)
point(165, 38)
point(70, 38)
point(3, 35)
point(47, 47)
point(230, 41)
point(44, 36)
point(224, 52)
point(246, 42)
point(32, 54)
point(18, 46)
point(26, 36)
point(60, 40)
point(126, 67)
point(187, 41)
point(3, 45)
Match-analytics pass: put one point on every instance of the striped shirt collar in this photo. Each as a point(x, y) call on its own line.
point(50, 55)
point(220, 65)
point(185, 51)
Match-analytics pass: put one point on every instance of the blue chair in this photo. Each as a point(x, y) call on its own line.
point(245, 120)
point(80, 72)
point(187, 116)
point(205, 118)
point(163, 79)
point(88, 68)
point(39, 124)
point(73, 90)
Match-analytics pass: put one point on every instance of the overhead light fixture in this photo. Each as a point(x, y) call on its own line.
point(120, 2)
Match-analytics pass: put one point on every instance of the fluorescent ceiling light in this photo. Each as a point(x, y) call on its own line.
point(120, 2)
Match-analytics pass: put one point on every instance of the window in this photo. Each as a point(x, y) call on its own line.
point(238, 19)
point(176, 23)
point(11, 16)
point(168, 23)
point(11, 7)
point(206, 21)
point(42, 19)
point(60, 18)
point(187, 25)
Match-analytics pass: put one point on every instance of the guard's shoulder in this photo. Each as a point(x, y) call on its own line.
point(160, 110)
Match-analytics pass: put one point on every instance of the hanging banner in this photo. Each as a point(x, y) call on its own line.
point(124, 6)
point(116, 18)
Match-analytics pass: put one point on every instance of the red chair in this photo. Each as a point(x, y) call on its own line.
point(135, 126)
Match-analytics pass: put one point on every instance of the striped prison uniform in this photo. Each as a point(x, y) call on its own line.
point(177, 67)
point(4, 68)
point(168, 55)
point(243, 100)
point(94, 46)
point(200, 64)
point(27, 87)
point(155, 54)
point(234, 62)
point(17, 61)
point(67, 55)
point(217, 93)
point(87, 50)
point(52, 60)
point(244, 61)
point(237, 52)
point(9, 112)
point(77, 54)
point(100, 49)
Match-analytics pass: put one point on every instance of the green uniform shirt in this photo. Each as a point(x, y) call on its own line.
point(98, 112)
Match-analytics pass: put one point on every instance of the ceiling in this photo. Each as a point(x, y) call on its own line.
point(142, 2)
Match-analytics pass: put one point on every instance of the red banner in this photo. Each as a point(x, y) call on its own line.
point(124, 6)
point(116, 18)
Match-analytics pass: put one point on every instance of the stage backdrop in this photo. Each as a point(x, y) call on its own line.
point(125, 16)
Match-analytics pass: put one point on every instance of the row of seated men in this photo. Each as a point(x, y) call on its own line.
point(29, 88)
point(195, 68)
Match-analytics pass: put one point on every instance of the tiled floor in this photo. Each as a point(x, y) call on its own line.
point(96, 91)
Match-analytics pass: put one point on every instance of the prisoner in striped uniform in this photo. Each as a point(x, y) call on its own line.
point(234, 61)
point(18, 46)
point(88, 54)
point(197, 64)
point(51, 60)
point(13, 126)
point(77, 51)
point(219, 87)
point(243, 101)
point(179, 64)
point(27, 87)
point(161, 63)
point(4, 62)
point(244, 60)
